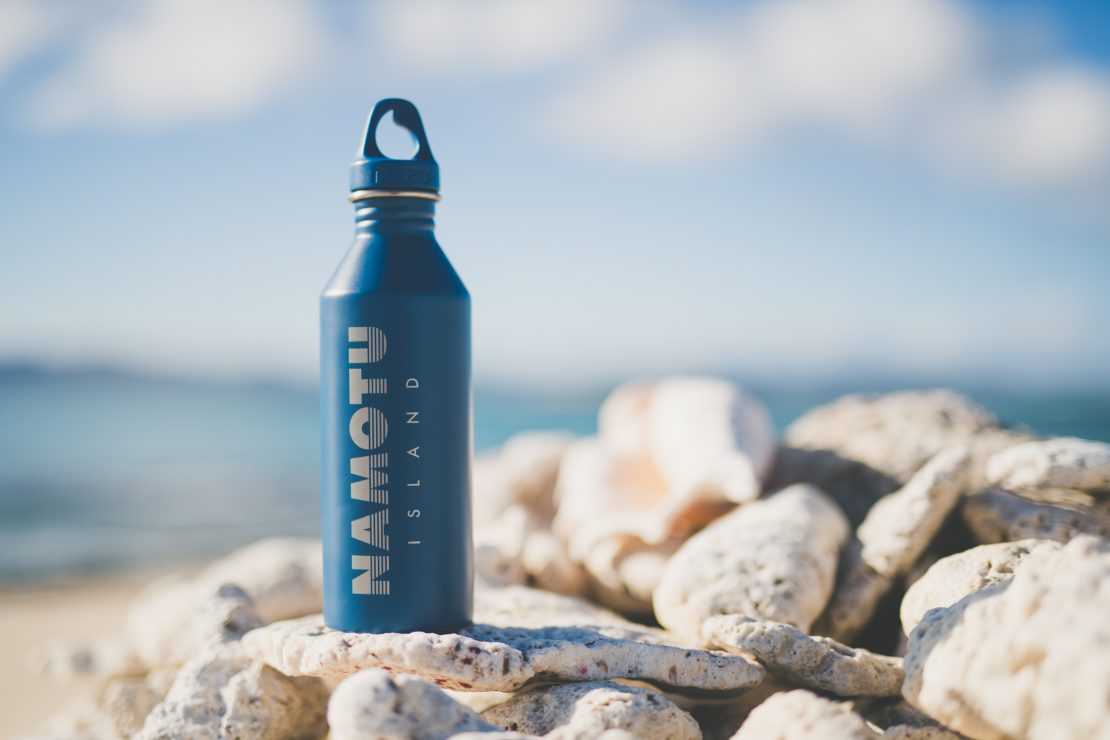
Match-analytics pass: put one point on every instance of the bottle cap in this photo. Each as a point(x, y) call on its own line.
point(373, 170)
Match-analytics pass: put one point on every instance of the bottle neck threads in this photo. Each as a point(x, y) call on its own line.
point(394, 213)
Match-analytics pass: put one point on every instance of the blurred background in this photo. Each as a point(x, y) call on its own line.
point(808, 196)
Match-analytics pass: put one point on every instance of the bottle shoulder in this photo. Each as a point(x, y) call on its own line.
point(395, 264)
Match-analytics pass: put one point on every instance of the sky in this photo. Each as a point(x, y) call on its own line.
point(790, 190)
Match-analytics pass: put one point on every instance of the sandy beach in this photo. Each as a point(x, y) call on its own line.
point(36, 615)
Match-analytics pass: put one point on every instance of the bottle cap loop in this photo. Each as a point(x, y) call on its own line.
point(373, 170)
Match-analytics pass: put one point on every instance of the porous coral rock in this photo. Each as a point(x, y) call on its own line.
point(1023, 658)
point(282, 577)
point(950, 579)
point(774, 559)
point(520, 636)
point(994, 515)
point(221, 694)
point(811, 662)
point(586, 710)
point(862, 446)
point(1061, 462)
point(127, 701)
point(375, 705)
point(224, 616)
point(900, 525)
point(801, 715)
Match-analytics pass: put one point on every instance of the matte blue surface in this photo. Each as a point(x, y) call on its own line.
point(396, 278)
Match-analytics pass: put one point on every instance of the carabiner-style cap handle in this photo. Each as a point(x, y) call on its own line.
point(373, 170)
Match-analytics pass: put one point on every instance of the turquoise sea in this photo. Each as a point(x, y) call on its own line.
point(102, 470)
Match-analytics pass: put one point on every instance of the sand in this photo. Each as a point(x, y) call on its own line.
point(32, 616)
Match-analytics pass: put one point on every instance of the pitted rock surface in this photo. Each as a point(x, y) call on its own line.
point(810, 662)
point(994, 515)
point(954, 577)
point(374, 705)
point(221, 694)
point(774, 558)
point(801, 715)
point(861, 447)
point(520, 636)
point(1025, 658)
point(1062, 462)
point(586, 710)
point(900, 525)
point(893, 433)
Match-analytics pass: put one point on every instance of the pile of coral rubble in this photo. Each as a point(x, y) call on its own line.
point(898, 565)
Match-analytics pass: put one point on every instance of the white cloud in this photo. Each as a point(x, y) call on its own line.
point(491, 36)
point(727, 85)
point(162, 61)
point(1051, 127)
point(917, 72)
point(25, 27)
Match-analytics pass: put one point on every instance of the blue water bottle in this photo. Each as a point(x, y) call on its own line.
point(396, 408)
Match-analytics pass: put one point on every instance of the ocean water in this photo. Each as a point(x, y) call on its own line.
point(100, 471)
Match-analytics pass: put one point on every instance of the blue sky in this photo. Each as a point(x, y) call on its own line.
point(806, 189)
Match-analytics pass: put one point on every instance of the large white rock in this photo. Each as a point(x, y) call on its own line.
point(901, 525)
point(774, 559)
point(950, 579)
point(894, 433)
point(374, 705)
point(1062, 462)
point(520, 637)
point(220, 694)
point(800, 715)
point(1026, 658)
point(586, 710)
point(709, 439)
point(282, 576)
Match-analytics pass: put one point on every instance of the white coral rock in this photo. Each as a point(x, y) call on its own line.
point(774, 559)
point(950, 579)
point(282, 577)
point(801, 715)
point(709, 439)
point(374, 705)
point(812, 662)
point(1062, 462)
point(220, 694)
point(1026, 658)
point(586, 710)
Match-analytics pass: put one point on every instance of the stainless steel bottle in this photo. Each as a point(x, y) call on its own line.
point(396, 405)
